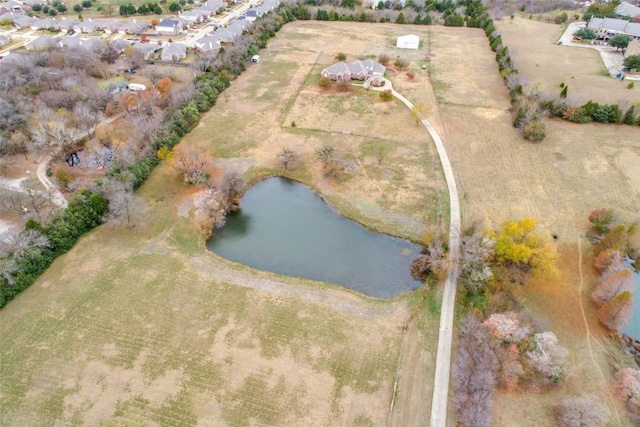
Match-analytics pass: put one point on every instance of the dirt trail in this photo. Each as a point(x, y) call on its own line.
point(603, 377)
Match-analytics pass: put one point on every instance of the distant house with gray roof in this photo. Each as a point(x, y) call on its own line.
point(358, 70)
point(605, 28)
point(174, 52)
point(132, 28)
point(42, 43)
point(209, 45)
point(627, 9)
point(169, 27)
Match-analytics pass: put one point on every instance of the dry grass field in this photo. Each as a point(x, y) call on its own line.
point(502, 177)
point(533, 47)
point(145, 327)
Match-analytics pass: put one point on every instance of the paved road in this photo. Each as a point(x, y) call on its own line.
point(440, 396)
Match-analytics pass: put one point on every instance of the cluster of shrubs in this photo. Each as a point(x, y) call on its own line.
point(590, 112)
point(30, 253)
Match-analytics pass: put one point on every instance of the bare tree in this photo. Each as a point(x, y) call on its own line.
point(53, 129)
point(232, 187)
point(192, 165)
point(475, 256)
point(616, 313)
point(333, 166)
point(17, 244)
point(86, 119)
point(609, 261)
point(474, 375)
point(125, 208)
point(8, 270)
point(287, 159)
point(610, 286)
point(585, 410)
point(548, 357)
point(211, 209)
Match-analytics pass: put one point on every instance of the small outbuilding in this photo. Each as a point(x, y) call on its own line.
point(410, 41)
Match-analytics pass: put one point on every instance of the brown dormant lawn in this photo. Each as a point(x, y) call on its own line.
point(538, 57)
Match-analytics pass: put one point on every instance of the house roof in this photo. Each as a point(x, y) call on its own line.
point(251, 13)
point(46, 23)
point(614, 24)
point(42, 42)
point(595, 23)
point(168, 23)
point(133, 27)
point(68, 23)
point(626, 9)
point(633, 28)
point(177, 49)
point(409, 37)
point(207, 44)
point(367, 67)
point(88, 26)
point(145, 47)
point(338, 68)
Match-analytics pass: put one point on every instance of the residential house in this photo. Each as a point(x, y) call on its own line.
point(31, 3)
point(212, 6)
point(20, 21)
point(66, 25)
point(4, 40)
point(266, 7)
point(14, 6)
point(410, 41)
point(627, 9)
point(45, 24)
point(111, 26)
point(605, 28)
point(132, 28)
point(169, 27)
point(359, 70)
point(251, 15)
point(193, 16)
point(174, 52)
point(209, 45)
point(146, 49)
point(89, 26)
point(42, 43)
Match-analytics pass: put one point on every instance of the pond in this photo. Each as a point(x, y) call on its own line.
point(286, 228)
point(633, 327)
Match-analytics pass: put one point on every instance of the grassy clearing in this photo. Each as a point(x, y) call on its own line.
point(533, 47)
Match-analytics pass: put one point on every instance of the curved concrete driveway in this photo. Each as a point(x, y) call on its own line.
point(440, 397)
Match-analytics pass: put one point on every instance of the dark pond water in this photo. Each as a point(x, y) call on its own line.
point(285, 227)
point(633, 328)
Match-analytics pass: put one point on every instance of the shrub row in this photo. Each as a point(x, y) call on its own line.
point(83, 214)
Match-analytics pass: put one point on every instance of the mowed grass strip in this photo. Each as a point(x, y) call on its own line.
point(144, 326)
